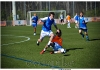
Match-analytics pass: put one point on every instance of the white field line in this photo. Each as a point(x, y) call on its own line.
point(27, 39)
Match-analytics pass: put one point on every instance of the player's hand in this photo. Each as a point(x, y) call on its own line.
point(58, 30)
point(39, 21)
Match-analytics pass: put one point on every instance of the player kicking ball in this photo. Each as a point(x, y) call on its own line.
point(83, 26)
point(46, 28)
point(56, 44)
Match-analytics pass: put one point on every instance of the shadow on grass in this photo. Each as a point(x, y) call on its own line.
point(67, 50)
point(94, 39)
point(73, 49)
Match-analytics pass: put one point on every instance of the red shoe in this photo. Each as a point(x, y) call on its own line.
point(42, 52)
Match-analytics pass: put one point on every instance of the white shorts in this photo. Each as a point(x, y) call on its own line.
point(45, 33)
point(76, 21)
point(68, 21)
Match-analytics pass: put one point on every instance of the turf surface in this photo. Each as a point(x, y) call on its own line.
point(26, 54)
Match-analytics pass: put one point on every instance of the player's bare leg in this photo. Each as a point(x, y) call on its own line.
point(51, 37)
point(77, 25)
point(39, 40)
point(59, 51)
point(80, 32)
point(34, 30)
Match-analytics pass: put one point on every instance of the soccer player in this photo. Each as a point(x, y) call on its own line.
point(46, 28)
point(34, 22)
point(56, 44)
point(62, 19)
point(76, 20)
point(68, 20)
point(83, 26)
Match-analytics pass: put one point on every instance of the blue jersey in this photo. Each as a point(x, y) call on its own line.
point(47, 23)
point(35, 19)
point(76, 17)
point(82, 23)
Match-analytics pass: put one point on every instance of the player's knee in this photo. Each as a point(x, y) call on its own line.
point(86, 33)
point(39, 40)
point(52, 35)
point(80, 31)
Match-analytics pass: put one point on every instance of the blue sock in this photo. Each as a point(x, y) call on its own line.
point(87, 37)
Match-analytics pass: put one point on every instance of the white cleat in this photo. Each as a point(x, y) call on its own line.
point(34, 33)
point(68, 27)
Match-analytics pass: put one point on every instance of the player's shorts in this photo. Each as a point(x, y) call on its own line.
point(45, 33)
point(34, 24)
point(62, 20)
point(68, 21)
point(85, 30)
point(76, 21)
point(57, 47)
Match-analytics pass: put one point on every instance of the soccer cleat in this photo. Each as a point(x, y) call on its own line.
point(87, 39)
point(68, 27)
point(37, 43)
point(52, 52)
point(34, 33)
point(42, 52)
point(64, 51)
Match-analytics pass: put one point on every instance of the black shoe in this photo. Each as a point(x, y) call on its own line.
point(38, 43)
point(48, 45)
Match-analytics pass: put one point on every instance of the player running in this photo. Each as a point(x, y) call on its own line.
point(83, 26)
point(76, 21)
point(56, 44)
point(68, 20)
point(62, 19)
point(34, 22)
point(46, 28)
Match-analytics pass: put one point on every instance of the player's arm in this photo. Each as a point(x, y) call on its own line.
point(86, 20)
point(56, 26)
point(32, 18)
point(42, 20)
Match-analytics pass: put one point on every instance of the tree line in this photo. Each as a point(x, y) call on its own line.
point(90, 9)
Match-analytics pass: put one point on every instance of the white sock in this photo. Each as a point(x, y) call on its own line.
point(49, 42)
point(68, 24)
point(37, 42)
point(55, 52)
point(44, 49)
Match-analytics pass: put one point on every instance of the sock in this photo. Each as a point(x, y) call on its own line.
point(55, 52)
point(44, 49)
point(87, 37)
point(68, 24)
point(49, 42)
point(37, 42)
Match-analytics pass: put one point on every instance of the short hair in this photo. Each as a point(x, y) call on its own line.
point(59, 33)
point(51, 13)
point(81, 12)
